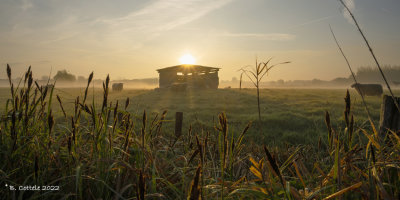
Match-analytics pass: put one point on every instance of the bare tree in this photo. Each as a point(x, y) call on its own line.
point(256, 74)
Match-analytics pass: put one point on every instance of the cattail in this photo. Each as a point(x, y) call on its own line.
point(87, 87)
point(30, 81)
point(86, 109)
point(161, 121)
point(16, 103)
point(194, 154)
point(105, 95)
point(116, 111)
point(62, 107)
point(9, 73)
point(195, 187)
point(274, 165)
point(44, 94)
point(27, 74)
point(37, 85)
point(90, 78)
point(243, 132)
point(126, 103)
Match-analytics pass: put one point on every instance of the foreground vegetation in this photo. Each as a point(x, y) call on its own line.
point(303, 108)
point(94, 148)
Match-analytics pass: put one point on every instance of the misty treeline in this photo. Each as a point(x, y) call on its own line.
point(371, 74)
point(64, 76)
point(364, 74)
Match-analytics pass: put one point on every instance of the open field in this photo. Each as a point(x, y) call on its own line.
point(294, 116)
point(99, 148)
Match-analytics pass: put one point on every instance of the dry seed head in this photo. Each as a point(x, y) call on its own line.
point(328, 122)
point(126, 103)
point(90, 78)
point(30, 80)
point(274, 165)
point(144, 119)
point(115, 110)
point(9, 72)
point(62, 108)
point(107, 80)
point(195, 188)
point(27, 74)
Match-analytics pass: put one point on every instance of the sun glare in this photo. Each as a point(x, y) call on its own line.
point(187, 59)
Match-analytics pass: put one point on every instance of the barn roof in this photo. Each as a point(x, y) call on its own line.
point(188, 68)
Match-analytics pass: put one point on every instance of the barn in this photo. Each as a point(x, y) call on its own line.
point(189, 76)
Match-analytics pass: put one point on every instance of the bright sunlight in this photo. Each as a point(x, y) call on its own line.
point(187, 59)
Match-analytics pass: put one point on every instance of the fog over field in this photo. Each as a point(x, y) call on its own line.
point(199, 99)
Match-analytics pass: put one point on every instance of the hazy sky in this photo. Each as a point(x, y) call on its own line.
point(132, 38)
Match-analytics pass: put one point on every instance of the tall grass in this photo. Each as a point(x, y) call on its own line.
point(103, 151)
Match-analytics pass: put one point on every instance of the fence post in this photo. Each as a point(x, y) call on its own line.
point(390, 116)
point(178, 124)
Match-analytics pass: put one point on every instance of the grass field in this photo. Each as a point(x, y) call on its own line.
point(294, 116)
point(91, 153)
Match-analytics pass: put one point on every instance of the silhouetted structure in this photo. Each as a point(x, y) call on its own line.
point(188, 76)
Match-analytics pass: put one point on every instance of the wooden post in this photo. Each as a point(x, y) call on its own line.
point(178, 124)
point(390, 116)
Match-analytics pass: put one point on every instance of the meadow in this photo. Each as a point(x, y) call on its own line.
point(293, 116)
point(93, 143)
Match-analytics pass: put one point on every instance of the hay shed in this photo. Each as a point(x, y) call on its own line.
point(189, 76)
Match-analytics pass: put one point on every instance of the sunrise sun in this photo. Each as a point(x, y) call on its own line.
point(187, 59)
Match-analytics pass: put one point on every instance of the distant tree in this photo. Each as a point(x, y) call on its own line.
point(235, 79)
point(63, 75)
point(81, 79)
point(371, 74)
point(45, 78)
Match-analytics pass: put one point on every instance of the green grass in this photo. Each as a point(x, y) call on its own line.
point(294, 116)
point(90, 153)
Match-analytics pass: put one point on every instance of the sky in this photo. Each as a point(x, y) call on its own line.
point(130, 39)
